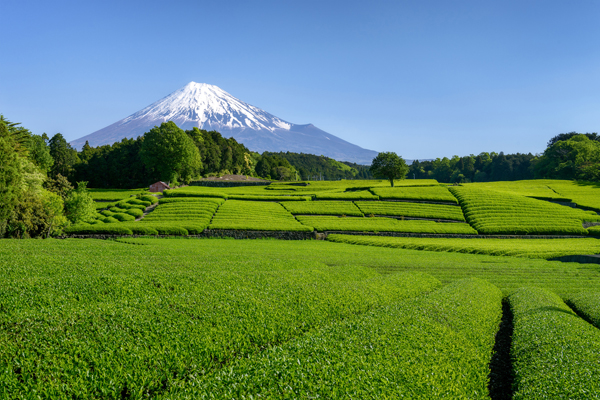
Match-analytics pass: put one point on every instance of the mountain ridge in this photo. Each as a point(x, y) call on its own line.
point(211, 108)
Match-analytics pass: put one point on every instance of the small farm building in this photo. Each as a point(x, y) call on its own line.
point(159, 187)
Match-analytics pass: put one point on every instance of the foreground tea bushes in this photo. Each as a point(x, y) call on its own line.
point(406, 209)
point(431, 193)
point(556, 354)
point(531, 248)
point(256, 216)
point(502, 213)
point(587, 304)
point(322, 208)
point(436, 346)
point(382, 224)
point(133, 321)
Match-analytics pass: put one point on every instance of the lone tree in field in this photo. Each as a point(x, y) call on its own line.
point(389, 166)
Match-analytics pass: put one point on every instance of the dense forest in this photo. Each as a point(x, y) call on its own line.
point(567, 156)
point(311, 167)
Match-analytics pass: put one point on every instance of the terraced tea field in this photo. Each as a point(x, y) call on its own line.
point(217, 318)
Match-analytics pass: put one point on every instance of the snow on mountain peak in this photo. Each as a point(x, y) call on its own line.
point(209, 107)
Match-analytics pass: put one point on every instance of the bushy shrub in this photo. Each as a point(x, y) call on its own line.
point(135, 212)
point(171, 230)
point(150, 198)
point(124, 217)
point(109, 220)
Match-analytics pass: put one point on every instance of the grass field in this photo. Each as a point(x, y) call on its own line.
point(193, 317)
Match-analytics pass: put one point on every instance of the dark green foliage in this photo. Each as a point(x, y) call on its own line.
point(575, 158)
point(275, 167)
point(312, 167)
point(11, 175)
point(170, 154)
point(484, 167)
point(389, 165)
point(39, 152)
point(567, 136)
point(64, 156)
point(59, 185)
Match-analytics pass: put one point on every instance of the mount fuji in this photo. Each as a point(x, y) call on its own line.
point(209, 107)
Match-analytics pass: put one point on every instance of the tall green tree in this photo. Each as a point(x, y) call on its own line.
point(79, 204)
point(575, 158)
point(390, 166)
point(11, 177)
point(64, 156)
point(171, 153)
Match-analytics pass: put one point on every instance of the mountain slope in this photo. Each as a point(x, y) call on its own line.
point(211, 108)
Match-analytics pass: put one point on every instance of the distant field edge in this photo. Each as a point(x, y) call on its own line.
point(213, 233)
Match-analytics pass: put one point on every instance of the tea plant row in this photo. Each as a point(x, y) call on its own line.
point(530, 248)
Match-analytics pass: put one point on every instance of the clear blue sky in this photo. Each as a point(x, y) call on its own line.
point(425, 79)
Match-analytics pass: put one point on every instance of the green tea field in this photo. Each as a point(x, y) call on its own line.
point(420, 291)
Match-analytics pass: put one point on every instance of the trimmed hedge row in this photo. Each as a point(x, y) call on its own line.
point(428, 193)
point(377, 224)
point(555, 353)
point(324, 207)
point(587, 305)
point(416, 210)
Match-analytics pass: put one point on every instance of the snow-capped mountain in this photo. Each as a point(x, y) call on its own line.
point(211, 108)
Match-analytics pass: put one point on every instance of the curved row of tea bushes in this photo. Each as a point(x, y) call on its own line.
point(492, 212)
point(256, 216)
point(382, 224)
point(352, 195)
point(587, 305)
point(267, 197)
point(537, 188)
point(194, 191)
point(406, 209)
point(555, 353)
point(585, 194)
point(432, 347)
point(530, 248)
point(192, 216)
point(594, 230)
point(111, 335)
point(324, 207)
point(428, 193)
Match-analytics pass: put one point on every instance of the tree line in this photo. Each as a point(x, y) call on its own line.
point(567, 156)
